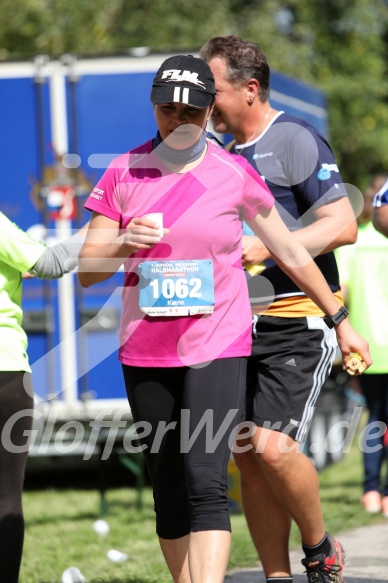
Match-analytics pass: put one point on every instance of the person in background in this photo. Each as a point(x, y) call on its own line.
point(380, 210)
point(185, 361)
point(19, 253)
point(293, 349)
point(364, 283)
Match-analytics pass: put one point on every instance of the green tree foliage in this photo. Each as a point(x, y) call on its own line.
point(350, 64)
point(337, 45)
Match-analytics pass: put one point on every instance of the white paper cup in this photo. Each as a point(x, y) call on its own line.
point(116, 556)
point(72, 575)
point(156, 218)
point(101, 527)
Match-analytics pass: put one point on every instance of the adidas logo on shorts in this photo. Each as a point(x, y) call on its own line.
point(291, 362)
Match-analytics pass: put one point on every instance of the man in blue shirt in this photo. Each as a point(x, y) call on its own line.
point(293, 348)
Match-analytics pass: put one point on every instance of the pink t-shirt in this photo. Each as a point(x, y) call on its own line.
point(204, 210)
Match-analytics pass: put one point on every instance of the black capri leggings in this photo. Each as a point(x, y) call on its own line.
point(14, 399)
point(188, 416)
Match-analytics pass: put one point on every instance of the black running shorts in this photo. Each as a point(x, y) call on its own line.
point(291, 359)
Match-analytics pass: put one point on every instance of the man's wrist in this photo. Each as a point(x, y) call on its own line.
point(337, 318)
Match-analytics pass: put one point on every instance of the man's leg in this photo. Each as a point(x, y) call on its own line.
point(293, 481)
point(268, 521)
point(293, 358)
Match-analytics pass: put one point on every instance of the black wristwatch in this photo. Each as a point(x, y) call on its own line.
point(337, 318)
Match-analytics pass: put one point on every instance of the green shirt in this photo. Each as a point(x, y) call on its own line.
point(18, 253)
point(363, 267)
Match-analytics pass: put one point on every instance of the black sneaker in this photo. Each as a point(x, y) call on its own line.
point(326, 569)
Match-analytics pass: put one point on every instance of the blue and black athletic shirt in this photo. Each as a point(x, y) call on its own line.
point(299, 168)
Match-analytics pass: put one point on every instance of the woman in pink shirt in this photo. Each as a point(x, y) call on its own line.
point(186, 325)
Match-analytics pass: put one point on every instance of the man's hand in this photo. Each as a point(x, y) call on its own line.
point(349, 342)
point(254, 251)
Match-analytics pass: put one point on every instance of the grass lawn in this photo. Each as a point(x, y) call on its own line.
point(59, 531)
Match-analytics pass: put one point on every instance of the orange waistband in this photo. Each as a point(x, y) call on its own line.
point(294, 307)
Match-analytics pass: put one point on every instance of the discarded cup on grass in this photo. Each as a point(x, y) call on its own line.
point(116, 556)
point(72, 575)
point(101, 527)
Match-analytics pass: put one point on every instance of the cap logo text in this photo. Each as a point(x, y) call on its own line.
point(179, 75)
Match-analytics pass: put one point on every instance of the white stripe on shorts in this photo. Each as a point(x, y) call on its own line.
point(329, 346)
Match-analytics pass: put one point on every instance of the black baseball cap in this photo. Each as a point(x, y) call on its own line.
point(184, 79)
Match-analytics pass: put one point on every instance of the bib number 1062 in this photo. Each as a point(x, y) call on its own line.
point(180, 288)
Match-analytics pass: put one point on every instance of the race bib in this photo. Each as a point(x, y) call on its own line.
point(176, 288)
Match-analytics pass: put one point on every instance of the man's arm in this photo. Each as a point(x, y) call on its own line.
point(293, 259)
point(334, 226)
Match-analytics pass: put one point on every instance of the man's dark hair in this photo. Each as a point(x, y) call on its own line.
point(244, 61)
